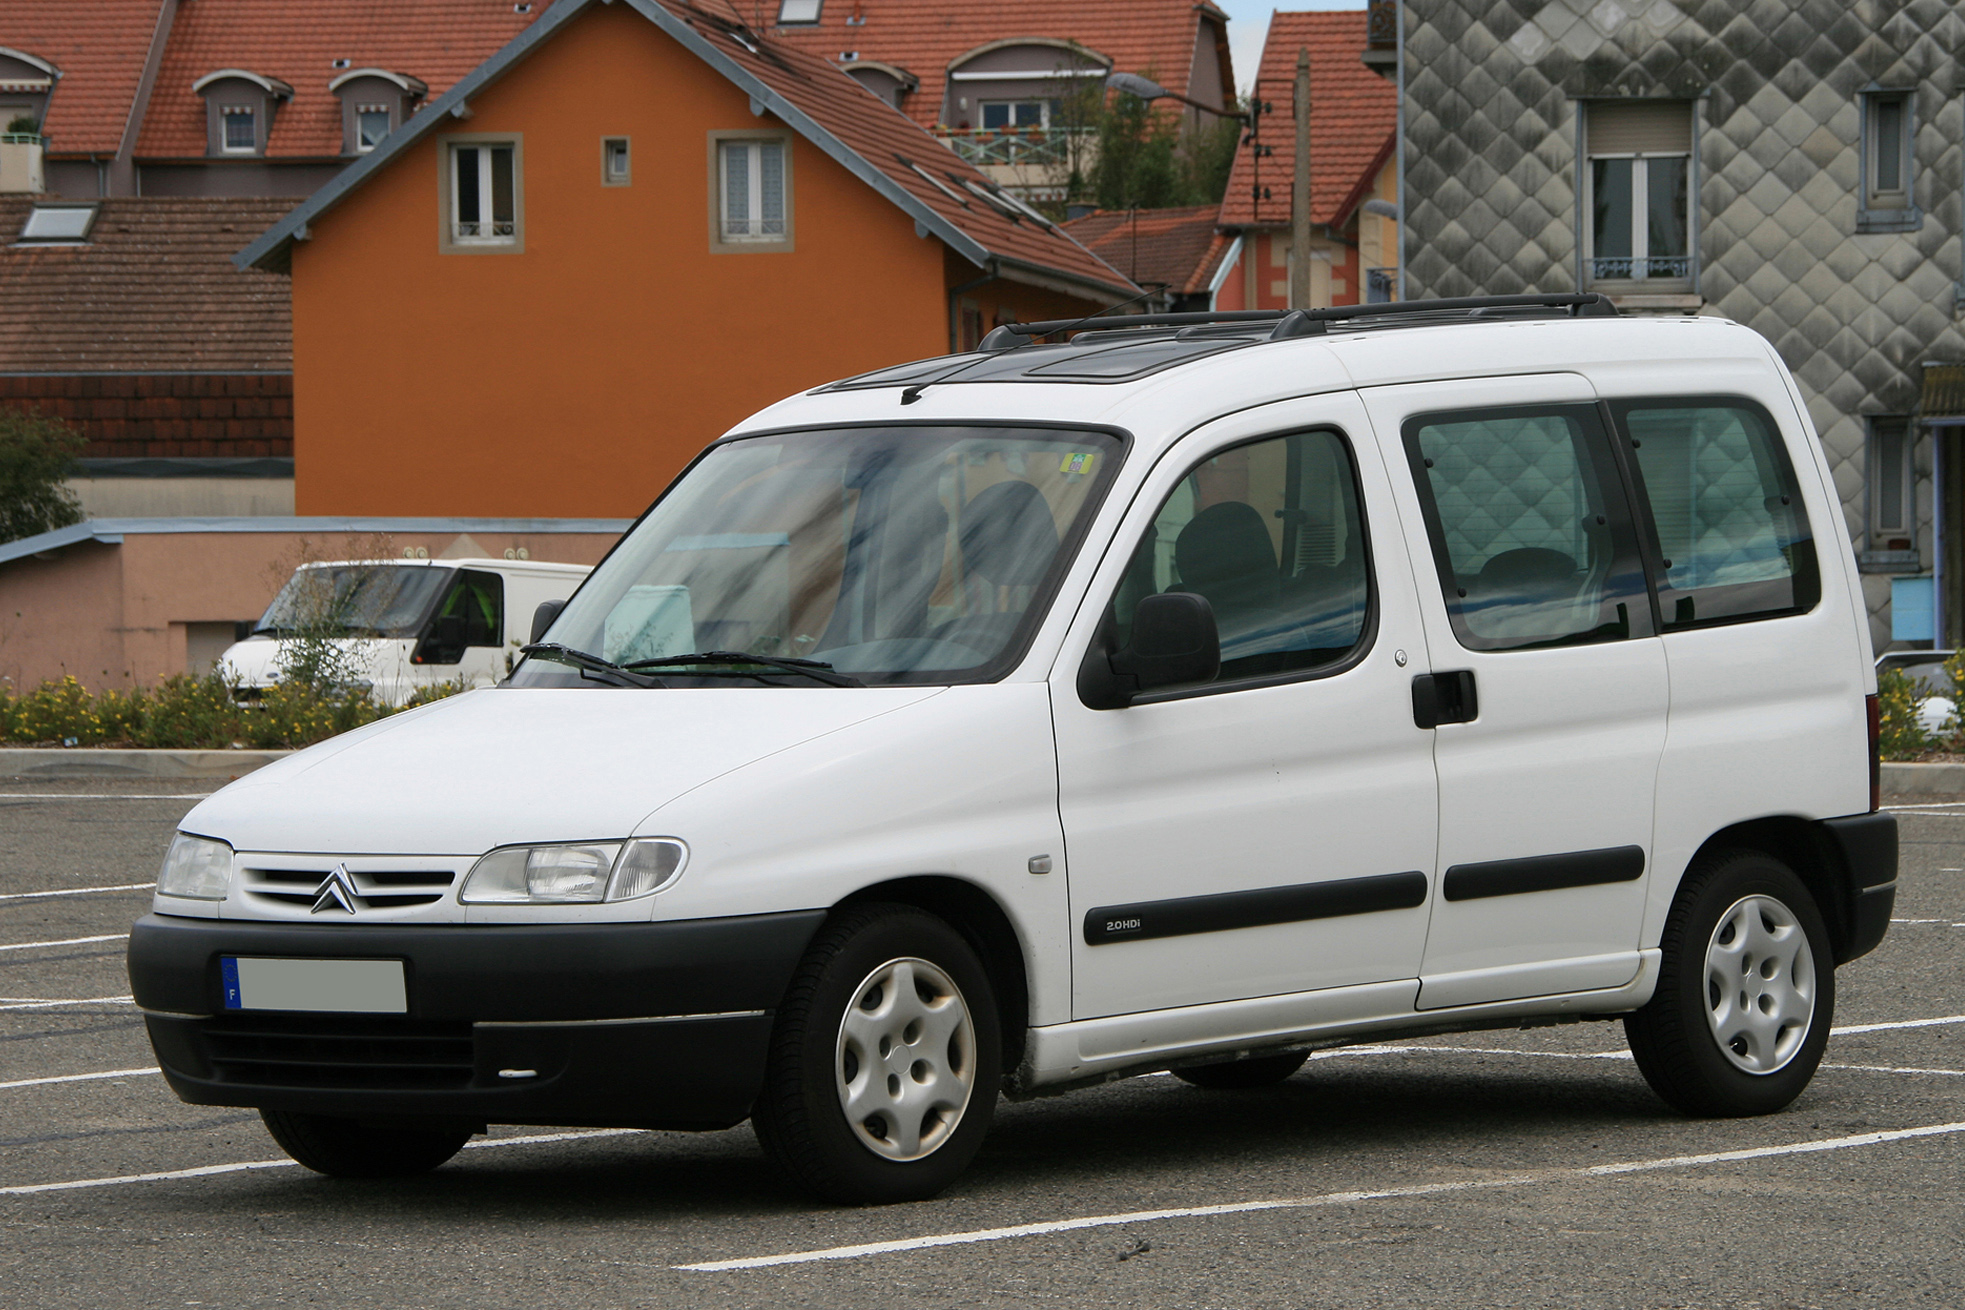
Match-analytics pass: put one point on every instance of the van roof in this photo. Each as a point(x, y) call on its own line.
point(1160, 375)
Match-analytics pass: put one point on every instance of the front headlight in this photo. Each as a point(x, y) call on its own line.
point(196, 868)
point(574, 872)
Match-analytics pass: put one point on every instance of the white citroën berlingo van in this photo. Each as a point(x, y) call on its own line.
point(1186, 694)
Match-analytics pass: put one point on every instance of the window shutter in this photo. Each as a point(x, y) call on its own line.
point(1639, 127)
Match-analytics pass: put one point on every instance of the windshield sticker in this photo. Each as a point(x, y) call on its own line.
point(1078, 463)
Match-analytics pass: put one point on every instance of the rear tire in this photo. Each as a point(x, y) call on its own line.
point(1243, 1075)
point(885, 1062)
point(345, 1148)
point(1746, 991)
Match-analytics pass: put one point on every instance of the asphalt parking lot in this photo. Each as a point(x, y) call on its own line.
point(1497, 1169)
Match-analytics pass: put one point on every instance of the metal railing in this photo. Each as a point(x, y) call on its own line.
point(1037, 146)
point(1625, 268)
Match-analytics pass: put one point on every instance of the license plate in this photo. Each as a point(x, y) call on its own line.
point(344, 986)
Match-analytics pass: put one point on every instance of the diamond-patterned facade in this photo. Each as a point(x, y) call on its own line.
point(1855, 315)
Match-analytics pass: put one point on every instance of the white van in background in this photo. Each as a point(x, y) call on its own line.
point(405, 624)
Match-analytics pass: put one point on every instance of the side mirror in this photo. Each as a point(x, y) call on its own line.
point(1174, 641)
point(542, 618)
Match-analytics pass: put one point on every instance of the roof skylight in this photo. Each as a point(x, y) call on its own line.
point(791, 12)
point(58, 223)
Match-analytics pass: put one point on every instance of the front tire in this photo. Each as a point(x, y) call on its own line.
point(344, 1148)
point(1746, 991)
point(885, 1060)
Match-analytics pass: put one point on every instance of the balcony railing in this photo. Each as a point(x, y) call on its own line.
point(1626, 269)
point(1041, 147)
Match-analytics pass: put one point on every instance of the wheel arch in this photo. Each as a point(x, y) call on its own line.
point(982, 921)
point(1804, 847)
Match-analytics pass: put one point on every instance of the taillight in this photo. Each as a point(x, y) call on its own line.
point(1875, 708)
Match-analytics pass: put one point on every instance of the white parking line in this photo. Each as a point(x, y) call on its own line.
point(32, 1003)
point(210, 1170)
point(80, 1077)
point(67, 941)
point(1899, 1023)
point(123, 887)
point(99, 796)
point(1538, 1177)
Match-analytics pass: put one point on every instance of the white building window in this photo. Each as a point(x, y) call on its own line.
point(239, 126)
point(755, 191)
point(1889, 159)
point(483, 195)
point(1638, 201)
point(615, 164)
point(371, 125)
point(1892, 478)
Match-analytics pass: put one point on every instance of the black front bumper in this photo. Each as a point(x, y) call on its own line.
point(643, 1025)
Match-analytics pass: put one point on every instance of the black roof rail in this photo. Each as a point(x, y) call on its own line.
point(1311, 322)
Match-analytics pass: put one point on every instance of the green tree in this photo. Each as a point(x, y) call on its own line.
point(37, 454)
point(1141, 155)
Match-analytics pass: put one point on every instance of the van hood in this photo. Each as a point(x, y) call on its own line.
point(508, 765)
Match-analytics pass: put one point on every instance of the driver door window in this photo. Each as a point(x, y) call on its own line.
point(1271, 535)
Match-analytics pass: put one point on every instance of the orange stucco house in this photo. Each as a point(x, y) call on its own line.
point(639, 222)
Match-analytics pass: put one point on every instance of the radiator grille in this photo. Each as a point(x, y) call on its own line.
point(384, 889)
point(338, 1051)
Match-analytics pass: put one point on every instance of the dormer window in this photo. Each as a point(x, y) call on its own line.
point(239, 109)
point(241, 134)
point(372, 123)
point(374, 103)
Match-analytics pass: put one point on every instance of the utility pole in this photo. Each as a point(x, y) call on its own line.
point(1300, 190)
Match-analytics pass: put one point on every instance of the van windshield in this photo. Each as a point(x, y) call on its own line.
point(891, 554)
point(354, 600)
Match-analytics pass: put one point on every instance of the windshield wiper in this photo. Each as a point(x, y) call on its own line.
point(590, 666)
point(817, 670)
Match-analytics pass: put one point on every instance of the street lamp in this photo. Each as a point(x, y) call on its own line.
point(1147, 89)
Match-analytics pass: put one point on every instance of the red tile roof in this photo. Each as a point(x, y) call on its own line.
point(1174, 248)
point(889, 142)
point(99, 46)
point(884, 146)
point(1353, 120)
point(298, 42)
point(154, 290)
point(924, 36)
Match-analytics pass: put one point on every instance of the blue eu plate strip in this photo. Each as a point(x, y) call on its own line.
point(228, 971)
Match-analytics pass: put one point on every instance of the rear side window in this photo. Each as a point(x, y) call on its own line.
point(1529, 529)
point(1271, 533)
point(1733, 539)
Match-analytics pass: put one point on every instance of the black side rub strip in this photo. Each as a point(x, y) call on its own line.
point(1542, 873)
point(1254, 909)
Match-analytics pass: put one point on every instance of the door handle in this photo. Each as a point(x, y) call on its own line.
point(1445, 698)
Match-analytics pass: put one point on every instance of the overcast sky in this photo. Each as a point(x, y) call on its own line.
point(1248, 22)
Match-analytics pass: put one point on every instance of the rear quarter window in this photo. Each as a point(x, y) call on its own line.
point(1732, 538)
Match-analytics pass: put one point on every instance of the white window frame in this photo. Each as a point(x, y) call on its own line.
point(1891, 428)
point(449, 241)
point(609, 176)
point(1640, 228)
point(387, 113)
point(804, 17)
point(721, 240)
point(1043, 103)
point(226, 114)
point(1894, 210)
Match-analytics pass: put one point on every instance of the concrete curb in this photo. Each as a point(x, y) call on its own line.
point(95, 762)
point(1923, 779)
